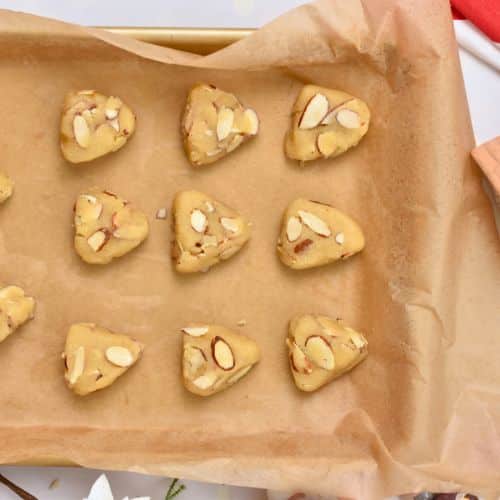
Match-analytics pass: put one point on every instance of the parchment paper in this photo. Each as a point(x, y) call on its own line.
point(422, 412)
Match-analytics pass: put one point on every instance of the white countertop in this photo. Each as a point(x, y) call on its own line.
point(483, 92)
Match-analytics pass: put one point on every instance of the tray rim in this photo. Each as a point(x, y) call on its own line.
point(198, 40)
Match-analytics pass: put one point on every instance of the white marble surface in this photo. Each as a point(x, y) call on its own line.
point(483, 91)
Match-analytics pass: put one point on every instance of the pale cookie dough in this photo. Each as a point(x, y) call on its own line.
point(95, 357)
point(313, 234)
point(15, 310)
point(93, 125)
point(6, 187)
point(106, 226)
point(215, 358)
point(325, 123)
point(322, 349)
point(214, 124)
point(206, 232)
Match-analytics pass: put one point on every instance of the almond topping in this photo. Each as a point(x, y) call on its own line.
point(348, 118)
point(251, 122)
point(330, 117)
point(314, 112)
point(81, 131)
point(234, 143)
point(314, 223)
point(111, 114)
point(195, 331)
point(326, 143)
point(198, 220)
point(225, 120)
point(209, 240)
point(210, 207)
point(222, 353)
point(299, 360)
point(340, 238)
point(215, 152)
point(303, 245)
point(358, 340)
point(318, 350)
point(230, 224)
point(78, 365)
point(205, 381)
point(161, 213)
point(293, 229)
point(195, 357)
point(119, 356)
point(97, 240)
point(114, 123)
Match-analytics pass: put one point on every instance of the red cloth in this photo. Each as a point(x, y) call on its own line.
point(485, 14)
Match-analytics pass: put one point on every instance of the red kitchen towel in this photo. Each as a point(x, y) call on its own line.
point(485, 14)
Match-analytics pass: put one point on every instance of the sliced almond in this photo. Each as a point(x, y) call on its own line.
point(81, 131)
point(209, 240)
point(299, 360)
point(198, 220)
point(239, 374)
point(225, 120)
point(195, 331)
point(115, 124)
point(235, 142)
point(250, 122)
point(91, 209)
point(110, 114)
point(195, 358)
point(161, 213)
point(222, 353)
point(293, 228)
point(348, 118)
point(330, 117)
point(205, 381)
point(230, 224)
point(119, 356)
point(326, 143)
point(210, 207)
point(313, 222)
point(340, 238)
point(314, 112)
point(319, 351)
point(78, 365)
point(358, 340)
point(215, 152)
point(97, 240)
point(303, 245)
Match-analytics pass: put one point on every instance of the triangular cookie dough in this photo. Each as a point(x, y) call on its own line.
point(325, 123)
point(106, 226)
point(93, 125)
point(313, 234)
point(206, 232)
point(322, 349)
point(214, 358)
point(95, 357)
point(6, 187)
point(15, 310)
point(214, 124)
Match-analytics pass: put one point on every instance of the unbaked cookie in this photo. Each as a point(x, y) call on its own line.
point(214, 124)
point(313, 234)
point(106, 226)
point(15, 309)
point(95, 357)
point(206, 232)
point(322, 349)
point(93, 125)
point(325, 123)
point(6, 187)
point(215, 358)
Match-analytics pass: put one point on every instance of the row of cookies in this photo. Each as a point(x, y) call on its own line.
point(325, 124)
point(320, 350)
point(206, 231)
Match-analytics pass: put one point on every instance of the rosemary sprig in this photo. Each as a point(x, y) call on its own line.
point(173, 491)
point(16, 489)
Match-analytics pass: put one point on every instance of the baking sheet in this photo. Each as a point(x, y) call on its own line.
point(422, 412)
